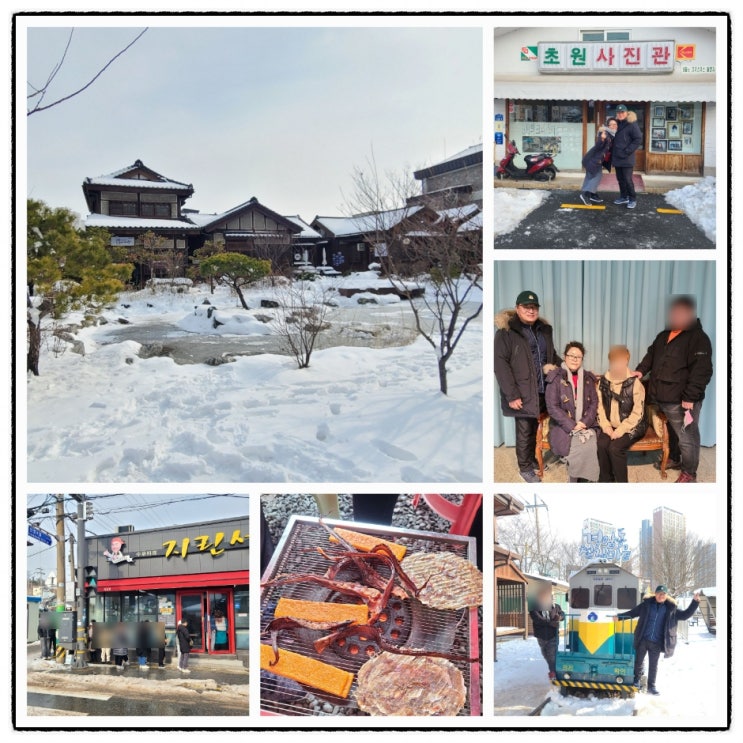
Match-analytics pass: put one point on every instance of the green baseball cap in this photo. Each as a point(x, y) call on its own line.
point(527, 298)
point(661, 589)
point(621, 107)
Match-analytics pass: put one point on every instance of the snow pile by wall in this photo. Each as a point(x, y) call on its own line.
point(698, 201)
point(512, 205)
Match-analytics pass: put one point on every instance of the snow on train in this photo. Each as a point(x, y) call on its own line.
point(597, 651)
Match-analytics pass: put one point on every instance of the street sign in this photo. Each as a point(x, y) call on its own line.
point(40, 535)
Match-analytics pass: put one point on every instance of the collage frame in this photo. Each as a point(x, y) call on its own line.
point(496, 260)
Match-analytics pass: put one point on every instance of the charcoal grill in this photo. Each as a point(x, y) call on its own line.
point(405, 622)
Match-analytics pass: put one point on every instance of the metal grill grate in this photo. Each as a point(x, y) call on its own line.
point(419, 626)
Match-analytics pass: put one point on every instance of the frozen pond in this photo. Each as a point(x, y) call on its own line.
point(368, 326)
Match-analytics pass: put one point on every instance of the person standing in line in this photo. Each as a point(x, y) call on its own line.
point(627, 140)
point(524, 355)
point(656, 631)
point(43, 634)
point(679, 365)
point(121, 647)
point(183, 639)
point(546, 618)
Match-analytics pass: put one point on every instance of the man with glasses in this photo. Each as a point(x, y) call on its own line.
point(655, 633)
point(627, 140)
point(524, 354)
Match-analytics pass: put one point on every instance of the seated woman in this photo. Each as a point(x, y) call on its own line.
point(621, 415)
point(595, 160)
point(572, 404)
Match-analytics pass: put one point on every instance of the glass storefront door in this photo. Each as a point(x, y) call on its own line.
point(210, 618)
point(191, 608)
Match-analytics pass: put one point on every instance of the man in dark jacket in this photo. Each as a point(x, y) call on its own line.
point(627, 141)
point(546, 618)
point(524, 354)
point(679, 362)
point(655, 632)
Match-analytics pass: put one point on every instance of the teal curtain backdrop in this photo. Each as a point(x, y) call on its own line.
point(603, 303)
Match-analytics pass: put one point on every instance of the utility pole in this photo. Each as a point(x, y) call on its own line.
point(81, 650)
point(536, 506)
point(60, 550)
point(71, 539)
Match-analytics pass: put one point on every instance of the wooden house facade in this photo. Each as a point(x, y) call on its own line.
point(355, 242)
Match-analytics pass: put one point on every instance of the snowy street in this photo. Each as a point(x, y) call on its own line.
point(537, 219)
point(366, 413)
point(214, 687)
point(689, 683)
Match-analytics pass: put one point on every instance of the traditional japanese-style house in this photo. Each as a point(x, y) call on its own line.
point(136, 199)
point(355, 242)
point(308, 246)
point(252, 229)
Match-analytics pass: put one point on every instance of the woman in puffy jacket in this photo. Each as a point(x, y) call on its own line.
point(595, 160)
point(572, 403)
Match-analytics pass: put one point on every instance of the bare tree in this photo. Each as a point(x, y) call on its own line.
point(38, 94)
point(435, 267)
point(301, 317)
point(676, 560)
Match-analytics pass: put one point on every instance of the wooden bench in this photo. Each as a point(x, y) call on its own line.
point(649, 442)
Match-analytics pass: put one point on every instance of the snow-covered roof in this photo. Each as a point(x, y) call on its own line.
point(157, 181)
point(307, 232)
point(458, 213)
point(475, 223)
point(471, 150)
point(137, 183)
point(365, 223)
point(136, 223)
point(200, 219)
point(465, 158)
point(548, 579)
point(253, 201)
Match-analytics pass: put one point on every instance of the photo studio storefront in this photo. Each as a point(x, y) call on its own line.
point(555, 86)
point(197, 572)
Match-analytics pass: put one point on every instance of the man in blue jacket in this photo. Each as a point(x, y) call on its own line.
point(627, 140)
point(656, 631)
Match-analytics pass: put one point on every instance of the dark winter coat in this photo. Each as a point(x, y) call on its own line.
point(594, 159)
point(514, 365)
point(673, 617)
point(547, 628)
point(679, 370)
point(627, 140)
point(625, 401)
point(183, 639)
point(561, 407)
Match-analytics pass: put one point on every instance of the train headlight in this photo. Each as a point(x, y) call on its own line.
point(566, 676)
point(620, 679)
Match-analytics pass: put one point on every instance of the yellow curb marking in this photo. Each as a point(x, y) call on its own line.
point(668, 211)
point(580, 206)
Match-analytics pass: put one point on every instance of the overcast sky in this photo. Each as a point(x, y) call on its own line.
point(141, 511)
point(565, 513)
point(280, 114)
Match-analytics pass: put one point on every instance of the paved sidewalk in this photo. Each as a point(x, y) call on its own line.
point(573, 180)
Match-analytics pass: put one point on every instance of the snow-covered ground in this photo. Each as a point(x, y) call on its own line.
point(512, 205)
point(698, 202)
point(690, 684)
point(367, 414)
